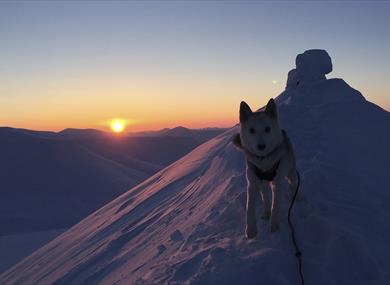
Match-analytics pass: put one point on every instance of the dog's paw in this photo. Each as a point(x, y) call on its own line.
point(274, 227)
point(250, 233)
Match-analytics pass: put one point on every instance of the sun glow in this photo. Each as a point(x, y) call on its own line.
point(118, 125)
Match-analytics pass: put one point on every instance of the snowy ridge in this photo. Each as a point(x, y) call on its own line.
point(185, 224)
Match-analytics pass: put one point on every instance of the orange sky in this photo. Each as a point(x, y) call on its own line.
point(162, 64)
point(146, 104)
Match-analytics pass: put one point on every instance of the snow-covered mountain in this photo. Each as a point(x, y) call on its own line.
point(185, 224)
point(48, 183)
point(159, 149)
point(180, 131)
point(147, 151)
point(52, 180)
point(71, 133)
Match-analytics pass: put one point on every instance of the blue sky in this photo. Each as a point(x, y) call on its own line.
point(199, 50)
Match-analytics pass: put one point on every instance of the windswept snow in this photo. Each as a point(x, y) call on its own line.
point(186, 223)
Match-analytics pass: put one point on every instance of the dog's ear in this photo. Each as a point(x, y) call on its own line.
point(271, 109)
point(236, 140)
point(245, 112)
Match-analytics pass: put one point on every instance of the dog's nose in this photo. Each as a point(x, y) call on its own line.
point(261, 146)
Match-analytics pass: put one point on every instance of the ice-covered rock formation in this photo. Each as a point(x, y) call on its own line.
point(311, 66)
point(185, 225)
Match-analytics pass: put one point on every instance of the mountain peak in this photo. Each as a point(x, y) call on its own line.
point(73, 132)
point(311, 66)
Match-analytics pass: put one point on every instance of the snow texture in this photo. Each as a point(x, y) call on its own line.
point(185, 224)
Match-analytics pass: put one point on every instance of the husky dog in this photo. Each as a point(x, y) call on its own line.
point(269, 159)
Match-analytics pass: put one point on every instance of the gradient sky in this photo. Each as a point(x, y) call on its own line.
point(163, 64)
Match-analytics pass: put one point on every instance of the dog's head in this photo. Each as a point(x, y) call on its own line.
point(260, 131)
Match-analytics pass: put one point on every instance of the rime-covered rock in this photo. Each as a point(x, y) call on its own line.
point(311, 66)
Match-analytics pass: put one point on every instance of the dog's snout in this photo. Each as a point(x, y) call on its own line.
point(261, 146)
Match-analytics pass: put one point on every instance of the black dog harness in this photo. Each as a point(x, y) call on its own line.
point(268, 175)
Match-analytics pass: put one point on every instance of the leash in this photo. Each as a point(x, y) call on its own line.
point(298, 253)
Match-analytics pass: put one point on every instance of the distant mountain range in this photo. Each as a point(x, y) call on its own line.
point(180, 131)
point(52, 180)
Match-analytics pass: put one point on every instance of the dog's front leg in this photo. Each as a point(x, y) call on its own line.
point(251, 227)
point(275, 206)
point(265, 193)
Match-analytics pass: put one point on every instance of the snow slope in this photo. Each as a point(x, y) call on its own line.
point(185, 224)
point(52, 180)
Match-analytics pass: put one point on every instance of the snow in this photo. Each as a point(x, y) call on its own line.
point(185, 224)
point(52, 180)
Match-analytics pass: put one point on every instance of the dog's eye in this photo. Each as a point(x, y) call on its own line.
point(267, 129)
point(252, 130)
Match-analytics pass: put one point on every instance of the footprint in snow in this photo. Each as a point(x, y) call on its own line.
point(161, 248)
point(177, 236)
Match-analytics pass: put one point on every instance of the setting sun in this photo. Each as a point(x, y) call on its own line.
point(117, 125)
